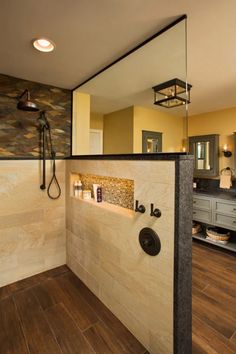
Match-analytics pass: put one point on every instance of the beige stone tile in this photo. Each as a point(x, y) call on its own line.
point(88, 279)
point(130, 320)
point(161, 194)
point(136, 287)
point(161, 342)
point(20, 218)
point(7, 263)
point(55, 259)
point(55, 212)
point(32, 226)
point(155, 170)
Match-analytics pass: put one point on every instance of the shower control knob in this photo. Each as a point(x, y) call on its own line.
point(146, 243)
point(139, 208)
point(155, 212)
point(149, 241)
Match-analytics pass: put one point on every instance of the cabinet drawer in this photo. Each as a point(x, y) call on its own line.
point(202, 215)
point(201, 203)
point(229, 222)
point(225, 207)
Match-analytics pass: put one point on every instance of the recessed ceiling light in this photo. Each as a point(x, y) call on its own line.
point(43, 45)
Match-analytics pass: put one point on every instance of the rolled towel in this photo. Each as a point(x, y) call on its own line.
point(225, 181)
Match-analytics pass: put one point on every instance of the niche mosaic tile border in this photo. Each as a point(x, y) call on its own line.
point(19, 134)
point(119, 191)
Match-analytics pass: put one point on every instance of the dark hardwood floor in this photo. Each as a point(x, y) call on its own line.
point(214, 301)
point(54, 312)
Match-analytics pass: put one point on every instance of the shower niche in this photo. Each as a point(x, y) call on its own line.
point(115, 191)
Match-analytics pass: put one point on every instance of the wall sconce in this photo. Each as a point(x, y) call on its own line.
point(226, 152)
point(172, 93)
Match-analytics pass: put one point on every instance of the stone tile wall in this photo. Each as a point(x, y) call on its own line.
point(19, 135)
point(32, 226)
point(103, 248)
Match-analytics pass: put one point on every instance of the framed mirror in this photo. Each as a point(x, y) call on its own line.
point(205, 149)
point(114, 110)
point(152, 142)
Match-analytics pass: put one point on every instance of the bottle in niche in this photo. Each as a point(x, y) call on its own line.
point(75, 188)
point(80, 192)
point(78, 189)
point(99, 194)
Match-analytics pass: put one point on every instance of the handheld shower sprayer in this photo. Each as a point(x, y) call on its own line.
point(46, 139)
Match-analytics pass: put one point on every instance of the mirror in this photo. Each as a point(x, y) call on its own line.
point(114, 111)
point(205, 149)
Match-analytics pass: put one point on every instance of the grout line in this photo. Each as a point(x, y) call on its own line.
point(53, 334)
point(45, 317)
point(232, 335)
point(100, 318)
point(90, 326)
point(205, 287)
point(21, 324)
point(76, 325)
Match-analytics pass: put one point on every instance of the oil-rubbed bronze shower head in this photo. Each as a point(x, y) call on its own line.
point(26, 105)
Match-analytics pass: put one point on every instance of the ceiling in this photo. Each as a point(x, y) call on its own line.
point(90, 34)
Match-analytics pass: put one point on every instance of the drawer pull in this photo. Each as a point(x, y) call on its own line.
point(234, 209)
point(196, 202)
point(194, 212)
point(234, 222)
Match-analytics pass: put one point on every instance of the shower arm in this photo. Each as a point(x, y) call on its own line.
point(23, 93)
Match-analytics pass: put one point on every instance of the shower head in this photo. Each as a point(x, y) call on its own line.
point(26, 105)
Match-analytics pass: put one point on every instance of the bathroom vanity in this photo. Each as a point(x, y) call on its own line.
point(217, 209)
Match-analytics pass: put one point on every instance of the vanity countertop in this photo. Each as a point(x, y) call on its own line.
point(228, 195)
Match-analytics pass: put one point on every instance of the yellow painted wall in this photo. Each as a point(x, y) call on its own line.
point(96, 121)
point(221, 122)
point(171, 126)
point(118, 132)
point(81, 123)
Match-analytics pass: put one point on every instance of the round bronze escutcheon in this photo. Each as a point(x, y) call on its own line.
point(149, 241)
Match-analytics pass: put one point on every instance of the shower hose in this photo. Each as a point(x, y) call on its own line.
point(47, 140)
point(54, 178)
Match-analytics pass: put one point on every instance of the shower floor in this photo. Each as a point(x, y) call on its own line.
point(54, 312)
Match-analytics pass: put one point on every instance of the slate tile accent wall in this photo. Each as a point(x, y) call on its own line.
point(19, 134)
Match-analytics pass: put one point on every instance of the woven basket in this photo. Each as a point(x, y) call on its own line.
point(218, 234)
point(196, 228)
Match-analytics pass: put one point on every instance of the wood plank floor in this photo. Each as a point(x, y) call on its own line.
point(54, 312)
point(214, 301)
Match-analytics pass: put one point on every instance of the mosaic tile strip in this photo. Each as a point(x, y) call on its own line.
point(19, 135)
point(117, 191)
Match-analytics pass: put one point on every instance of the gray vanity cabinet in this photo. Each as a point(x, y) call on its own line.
point(202, 209)
point(224, 213)
point(216, 212)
